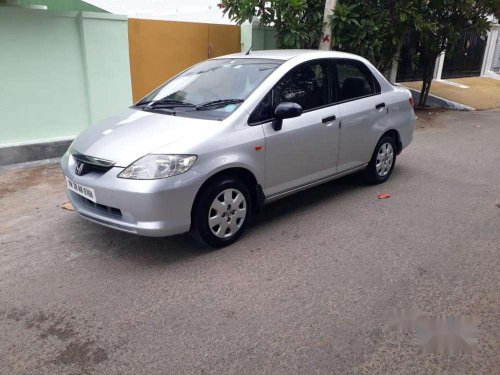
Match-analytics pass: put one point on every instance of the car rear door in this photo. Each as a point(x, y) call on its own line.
point(363, 112)
point(306, 148)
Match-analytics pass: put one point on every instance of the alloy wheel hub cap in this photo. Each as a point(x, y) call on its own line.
point(385, 158)
point(227, 213)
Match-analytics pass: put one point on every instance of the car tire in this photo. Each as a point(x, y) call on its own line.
point(382, 162)
point(221, 212)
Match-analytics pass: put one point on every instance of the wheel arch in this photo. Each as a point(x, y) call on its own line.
point(244, 175)
point(397, 139)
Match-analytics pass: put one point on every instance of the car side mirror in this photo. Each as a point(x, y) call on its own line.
point(285, 110)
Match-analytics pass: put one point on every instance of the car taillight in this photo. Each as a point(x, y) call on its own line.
point(412, 103)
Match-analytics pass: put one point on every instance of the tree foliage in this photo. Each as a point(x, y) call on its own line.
point(374, 29)
point(298, 22)
point(446, 22)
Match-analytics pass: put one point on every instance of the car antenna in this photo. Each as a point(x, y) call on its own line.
point(248, 52)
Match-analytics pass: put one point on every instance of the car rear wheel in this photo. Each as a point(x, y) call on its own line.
point(382, 162)
point(221, 213)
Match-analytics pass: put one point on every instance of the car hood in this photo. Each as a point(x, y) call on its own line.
point(132, 134)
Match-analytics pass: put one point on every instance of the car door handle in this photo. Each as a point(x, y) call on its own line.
point(329, 119)
point(380, 105)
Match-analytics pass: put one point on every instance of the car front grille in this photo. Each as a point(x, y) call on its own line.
point(95, 168)
point(87, 164)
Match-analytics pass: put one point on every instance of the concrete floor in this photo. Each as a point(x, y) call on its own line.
point(310, 289)
point(481, 92)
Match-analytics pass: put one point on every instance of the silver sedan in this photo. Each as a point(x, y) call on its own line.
point(211, 146)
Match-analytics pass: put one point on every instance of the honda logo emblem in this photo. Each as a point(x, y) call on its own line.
point(80, 166)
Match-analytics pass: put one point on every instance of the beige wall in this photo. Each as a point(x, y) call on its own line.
point(161, 49)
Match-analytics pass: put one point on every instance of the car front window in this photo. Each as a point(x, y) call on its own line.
point(306, 85)
point(214, 88)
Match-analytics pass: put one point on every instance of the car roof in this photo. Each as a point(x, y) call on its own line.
point(287, 54)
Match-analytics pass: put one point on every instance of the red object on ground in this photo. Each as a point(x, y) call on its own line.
point(384, 196)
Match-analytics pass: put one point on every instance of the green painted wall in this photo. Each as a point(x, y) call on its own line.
point(260, 38)
point(107, 64)
point(246, 36)
point(60, 72)
point(63, 5)
point(264, 38)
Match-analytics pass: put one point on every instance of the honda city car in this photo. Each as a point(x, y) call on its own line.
point(212, 145)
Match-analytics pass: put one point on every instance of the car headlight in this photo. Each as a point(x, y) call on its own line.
point(152, 166)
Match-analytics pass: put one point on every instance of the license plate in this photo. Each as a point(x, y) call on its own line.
point(84, 191)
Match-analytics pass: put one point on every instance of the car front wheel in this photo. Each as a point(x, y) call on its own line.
point(221, 213)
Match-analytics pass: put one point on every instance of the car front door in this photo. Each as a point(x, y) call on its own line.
point(306, 148)
point(363, 112)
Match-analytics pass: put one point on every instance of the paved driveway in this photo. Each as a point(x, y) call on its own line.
point(309, 290)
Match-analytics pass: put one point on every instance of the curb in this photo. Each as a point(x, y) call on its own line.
point(438, 101)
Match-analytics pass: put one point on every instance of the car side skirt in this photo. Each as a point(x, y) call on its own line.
point(286, 193)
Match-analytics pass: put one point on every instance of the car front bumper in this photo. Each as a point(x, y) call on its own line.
point(153, 208)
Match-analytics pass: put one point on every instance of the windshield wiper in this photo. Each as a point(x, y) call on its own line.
point(165, 103)
point(142, 103)
point(164, 109)
point(169, 103)
point(218, 103)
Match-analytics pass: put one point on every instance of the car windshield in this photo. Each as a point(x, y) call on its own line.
point(212, 89)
